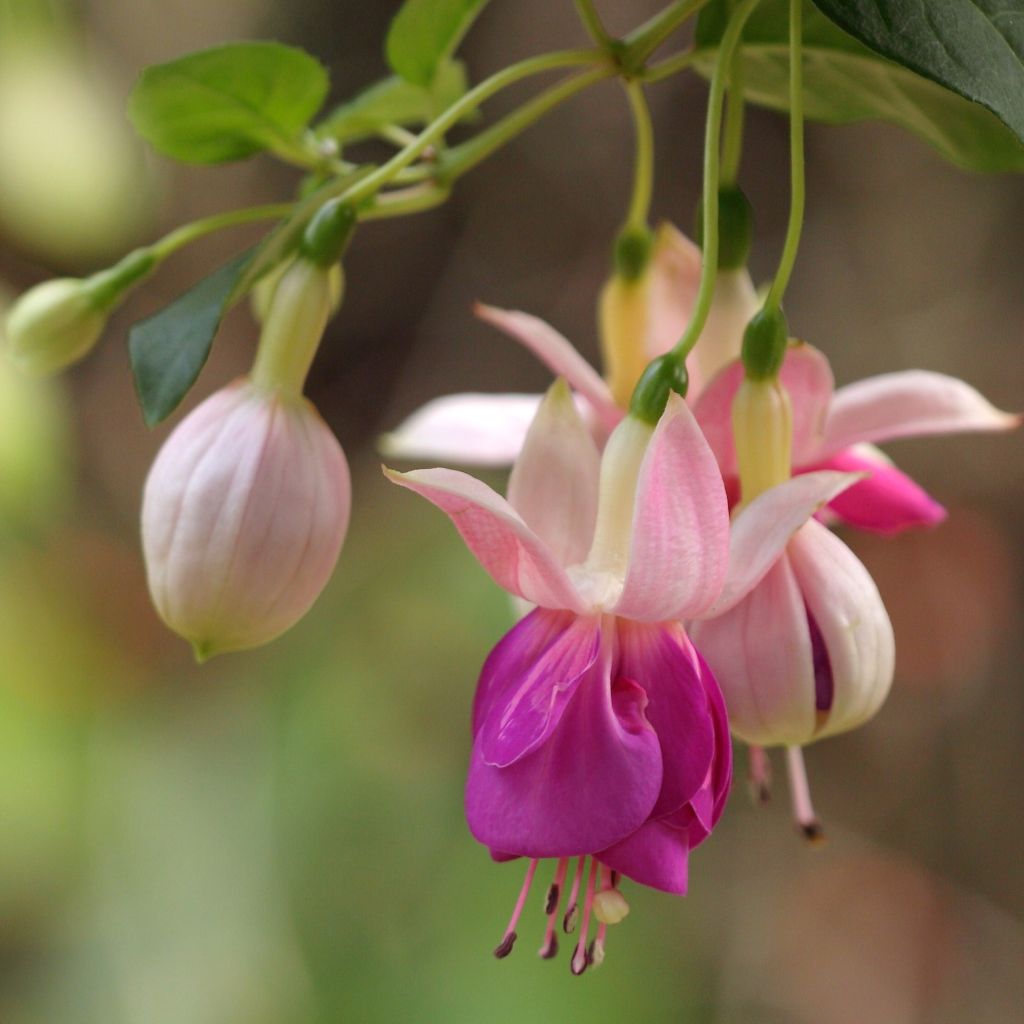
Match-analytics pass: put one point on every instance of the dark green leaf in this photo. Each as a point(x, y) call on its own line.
point(426, 32)
point(229, 102)
point(974, 47)
point(395, 101)
point(169, 349)
point(844, 81)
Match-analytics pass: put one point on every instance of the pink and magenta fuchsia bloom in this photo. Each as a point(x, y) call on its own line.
point(598, 730)
point(837, 429)
point(832, 429)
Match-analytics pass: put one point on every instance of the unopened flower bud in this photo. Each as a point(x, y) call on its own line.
point(244, 513)
point(53, 325)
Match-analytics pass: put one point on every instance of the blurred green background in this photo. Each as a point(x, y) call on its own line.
point(277, 837)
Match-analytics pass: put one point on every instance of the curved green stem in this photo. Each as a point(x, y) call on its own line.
point(187, 233)
point(796, 160)
point(712, 135)
point(399, 202)
point(669, 67)
point(592, 22)
point(459, 159)
point(643, 178)
point(472, 99)
point(643, 41)
point(732, 141)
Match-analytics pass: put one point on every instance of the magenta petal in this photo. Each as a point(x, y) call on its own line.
point(656, 854)
point(888, 501)
point(663, 661)
point(592, 782)
point(528, 681)
point(721, 771)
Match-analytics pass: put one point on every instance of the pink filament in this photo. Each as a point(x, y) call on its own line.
point(521, 902)
point(549, 932)
point(800, 789)
point(575, 885)
point(579, 957)
point(760, 774)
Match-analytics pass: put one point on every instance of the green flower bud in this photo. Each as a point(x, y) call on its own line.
point(663, 376)
point(764, 344)
point(735, 228)
point(53, 325)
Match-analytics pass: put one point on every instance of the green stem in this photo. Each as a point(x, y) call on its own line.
point(732, 143)
point(592, 22)
point(459, 159)
point(487, 88)
point(415, 199)
point(669, 67)
point(643, 41)
point(796, 159)
point(712, 134)
point(187, 233)
point(643, 179)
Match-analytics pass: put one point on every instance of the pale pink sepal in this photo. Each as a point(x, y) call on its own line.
point(807, 378)
point(844, 601)
point(516, 558)
point(558, 354)
point(761, 530)
point(673, 283)
point(904, 404)
point(473, 429)
point(553, 484)
point(760, 652)
point(677, 559)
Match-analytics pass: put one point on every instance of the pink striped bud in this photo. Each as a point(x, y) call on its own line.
point(243, 516)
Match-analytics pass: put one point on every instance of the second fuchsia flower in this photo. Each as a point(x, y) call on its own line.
point(598, 729)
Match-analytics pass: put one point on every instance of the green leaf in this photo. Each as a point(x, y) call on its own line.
point(169, 348)
point(426, 32)
point(395, 101)
point(229, 102)
point(974, 47)
point(844, 81)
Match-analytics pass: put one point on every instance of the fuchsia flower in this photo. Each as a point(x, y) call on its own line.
point(837, 430)
point(489, 429)
point(598, 730)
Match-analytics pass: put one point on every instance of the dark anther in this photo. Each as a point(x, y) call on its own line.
point(813, 832)
point(552, 900)
point(505, 946)
point(550, 951)
point(569, 921)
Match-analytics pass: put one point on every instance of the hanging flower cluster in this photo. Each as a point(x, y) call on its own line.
point(667, 529)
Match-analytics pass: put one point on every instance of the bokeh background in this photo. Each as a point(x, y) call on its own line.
point(277, 837)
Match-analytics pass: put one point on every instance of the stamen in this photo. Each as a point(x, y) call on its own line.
point(800, 790)
point(581, 958)
point(550, 947)
point(571, 910)
point(509, 940)
point(760, 775)
point(596, 951)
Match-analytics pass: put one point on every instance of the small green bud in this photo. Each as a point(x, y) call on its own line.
point(735, 228)
point(53, 325)
point(662, 376)
point(764, 344)
point(633, 252)
point(328, 233)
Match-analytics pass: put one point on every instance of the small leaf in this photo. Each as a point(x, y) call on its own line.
point(228, 102)
point(974, 47)
point(395, 101)
point(426, 32)
point(844, 81)
point(169, 348)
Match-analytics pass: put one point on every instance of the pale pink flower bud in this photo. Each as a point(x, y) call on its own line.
point(243, 516)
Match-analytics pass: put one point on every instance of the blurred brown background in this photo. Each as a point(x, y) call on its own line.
point(277, 836)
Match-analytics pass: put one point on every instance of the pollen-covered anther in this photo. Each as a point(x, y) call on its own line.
point(610, 906)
